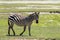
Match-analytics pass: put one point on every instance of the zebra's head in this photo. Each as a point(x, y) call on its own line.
point(36, 16)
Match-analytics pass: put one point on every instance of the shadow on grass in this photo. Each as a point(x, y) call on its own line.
point(18, 35)
point(30, 37)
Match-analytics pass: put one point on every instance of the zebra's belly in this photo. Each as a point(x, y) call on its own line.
point(19, 24)
point(23, 24)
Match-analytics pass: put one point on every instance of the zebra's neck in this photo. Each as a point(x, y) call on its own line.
point(31, 18)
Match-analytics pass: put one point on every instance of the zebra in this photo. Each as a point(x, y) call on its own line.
point(22, 21)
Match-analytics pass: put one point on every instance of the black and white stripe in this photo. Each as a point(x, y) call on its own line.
point(14, 18)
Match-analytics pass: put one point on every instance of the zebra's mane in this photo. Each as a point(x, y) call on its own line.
point(31, 16)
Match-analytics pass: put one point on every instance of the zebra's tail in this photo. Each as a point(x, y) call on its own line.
point(8, 22)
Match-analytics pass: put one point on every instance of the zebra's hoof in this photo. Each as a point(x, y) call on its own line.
point(8, 35)
point(20, 34)
point(30, 35)
point(13, 35)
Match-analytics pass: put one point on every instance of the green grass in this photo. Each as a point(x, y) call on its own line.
point(48, 27)
point(27, 10)
point(3, 7)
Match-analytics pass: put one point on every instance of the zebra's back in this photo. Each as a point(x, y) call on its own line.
point(19, 20)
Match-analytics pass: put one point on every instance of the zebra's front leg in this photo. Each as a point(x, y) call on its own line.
point(23, 30)
point(29, 28)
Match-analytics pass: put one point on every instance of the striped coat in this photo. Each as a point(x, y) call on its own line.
point(21, 21)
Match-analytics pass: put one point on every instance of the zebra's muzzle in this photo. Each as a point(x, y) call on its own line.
point(36, 21)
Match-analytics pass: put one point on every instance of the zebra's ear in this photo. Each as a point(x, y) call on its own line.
point(35, 13)
point(38, 12)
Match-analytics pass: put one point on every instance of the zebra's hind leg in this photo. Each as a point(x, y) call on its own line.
point(10, 27)
point(9, 31)
point(23, 30)
point(13, 31)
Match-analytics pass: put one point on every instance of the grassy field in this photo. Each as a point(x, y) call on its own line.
point(48, 27)
point(27, 7)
